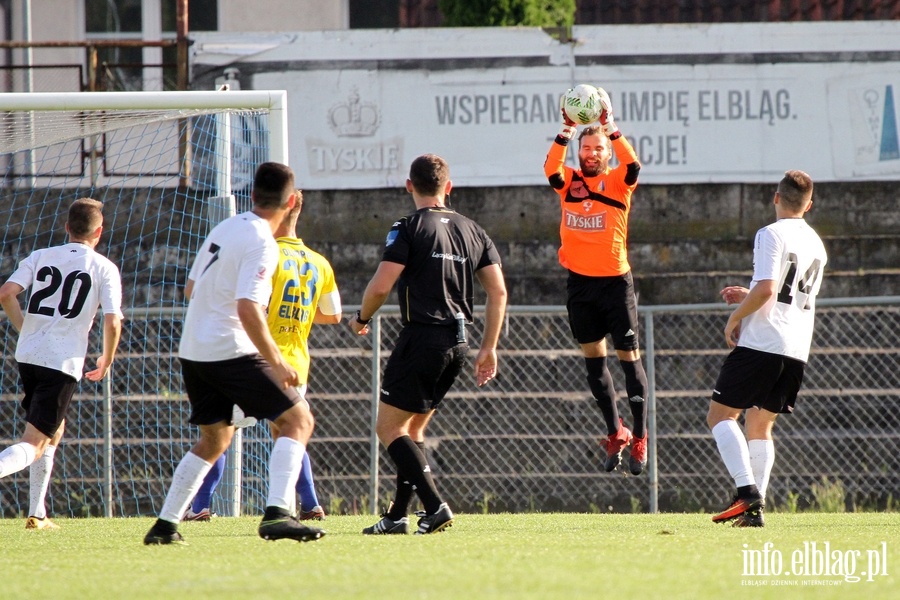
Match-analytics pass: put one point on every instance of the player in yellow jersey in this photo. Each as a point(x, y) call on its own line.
point(595, 201)
point(304, 292)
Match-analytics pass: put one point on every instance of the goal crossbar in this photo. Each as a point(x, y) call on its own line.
point(274, 101)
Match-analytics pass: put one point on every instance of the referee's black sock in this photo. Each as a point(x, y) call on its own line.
point(400, 506)
point(411, 462)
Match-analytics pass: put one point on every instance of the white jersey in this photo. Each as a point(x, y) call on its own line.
point(791, 254)
point(68, 284)
point(236, 261)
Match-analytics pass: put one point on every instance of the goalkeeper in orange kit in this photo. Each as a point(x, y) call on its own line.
point(595, 201)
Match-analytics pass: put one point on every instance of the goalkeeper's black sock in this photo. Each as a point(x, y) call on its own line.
point(601, 384)
point(636, 388)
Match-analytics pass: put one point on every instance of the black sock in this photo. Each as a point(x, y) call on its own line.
point(411, 462)
point(400, 506)
point(164, 527)
point(601, 384)
point(636, 388)
point(275, 512)
point(748, 491)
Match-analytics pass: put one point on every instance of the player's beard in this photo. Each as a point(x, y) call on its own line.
point(591, 170)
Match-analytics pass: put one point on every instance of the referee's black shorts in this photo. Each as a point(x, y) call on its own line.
point(755, 378)
point(215, 387)
point(599, 306)
point(422, 367)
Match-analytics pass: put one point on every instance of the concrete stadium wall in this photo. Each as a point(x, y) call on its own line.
point(686, 241)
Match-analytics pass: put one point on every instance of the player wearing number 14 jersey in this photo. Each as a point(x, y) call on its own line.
point(770, 332)
point(68, 284)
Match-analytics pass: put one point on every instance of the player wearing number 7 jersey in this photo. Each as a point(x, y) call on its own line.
point(68, 284)
point(770, 332)
point(228, 357)
point(304, 292)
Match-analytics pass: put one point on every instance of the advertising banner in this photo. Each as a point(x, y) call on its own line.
point(699, 103)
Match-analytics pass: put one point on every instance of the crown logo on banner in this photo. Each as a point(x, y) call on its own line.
point(354, 118)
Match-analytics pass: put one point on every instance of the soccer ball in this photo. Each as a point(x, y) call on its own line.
point(582, 104)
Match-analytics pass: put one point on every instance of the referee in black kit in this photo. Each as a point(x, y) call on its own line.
point(435, 254)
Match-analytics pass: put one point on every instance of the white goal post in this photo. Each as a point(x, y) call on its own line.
point(167, 167)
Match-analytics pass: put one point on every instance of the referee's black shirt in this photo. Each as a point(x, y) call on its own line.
point(440, 250)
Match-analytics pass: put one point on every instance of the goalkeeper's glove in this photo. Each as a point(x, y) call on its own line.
point(569, 127)
point(607, 123)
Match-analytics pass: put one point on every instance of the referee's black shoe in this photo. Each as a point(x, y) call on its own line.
point(388, 526)
point(439, 521)
point(278, 524)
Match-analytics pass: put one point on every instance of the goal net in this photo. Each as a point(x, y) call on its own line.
point(167, 166)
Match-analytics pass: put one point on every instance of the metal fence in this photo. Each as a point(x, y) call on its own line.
point(528, 441)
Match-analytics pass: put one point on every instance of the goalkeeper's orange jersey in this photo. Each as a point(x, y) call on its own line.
point(301, 280)
point(594, 227)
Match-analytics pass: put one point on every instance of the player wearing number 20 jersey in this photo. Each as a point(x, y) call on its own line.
point(303, 282)
point(790, 253)
point(68, 284)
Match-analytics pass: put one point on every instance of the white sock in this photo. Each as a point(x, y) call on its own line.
point(39, 481)
point(284, 469)
point(762, 457)
point(16, 457)
point(186, 480)
point(733, 449)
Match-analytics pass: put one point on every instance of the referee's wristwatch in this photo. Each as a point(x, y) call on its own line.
point(362, 321)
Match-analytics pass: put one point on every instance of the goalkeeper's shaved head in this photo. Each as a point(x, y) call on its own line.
point(429, 174)
point(795, 190)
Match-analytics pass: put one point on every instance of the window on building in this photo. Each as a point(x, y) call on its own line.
point(203, 15)
point(134, 67)
point(374, 14)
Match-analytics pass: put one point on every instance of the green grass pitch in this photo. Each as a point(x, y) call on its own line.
point(642, 557)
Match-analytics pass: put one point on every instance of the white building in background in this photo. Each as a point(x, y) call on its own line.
point(717, 103)
point(67, 20)
point(83, 20)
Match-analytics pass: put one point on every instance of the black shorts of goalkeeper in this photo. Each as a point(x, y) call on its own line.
point(422, 367)
point(214, 388)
